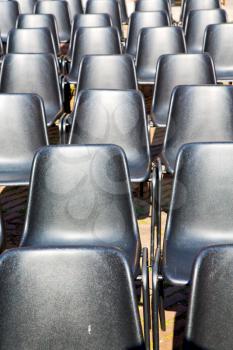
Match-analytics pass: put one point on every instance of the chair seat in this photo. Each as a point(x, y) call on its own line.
point(139, 172)
point(146, 77)
point(16, 177)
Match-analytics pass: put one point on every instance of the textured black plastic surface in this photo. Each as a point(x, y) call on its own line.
point(210, 314)
point(152, 43)
point(26, 6)
point(2, 236)
point(38, 40)
point(107, 72)
point(152, 6)
point(67, 298)
point(200, 213)
point(193, 119)
point(190, 5)
point(219, 45)
point(112, 8)
point(9, 11)
point(114, 117)
point(87, 20)
point(22, 133)
point(33, 73)
point(139, 20)
point(197, 22)
point(81, 195)
point(40, 21)
point(75, 8)
point(92, 41)
point(174, 70)
point(60, 10)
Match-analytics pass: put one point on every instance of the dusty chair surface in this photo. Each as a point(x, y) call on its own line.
point(58, 297)
point(219, 46)
point(174, 70)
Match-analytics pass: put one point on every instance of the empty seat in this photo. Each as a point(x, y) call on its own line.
point(75, 8)
point(174, 70)
point(152, 6)
point(26, 6)
point(9, 11)
point(111, 8)
point(37, 40)
point(210, 313)
point(60, 10)
point(220, 47)
point(197, 22)
point(198, 114)
point(89, 41)
point(107, 72)
point(87, 20)
point(140, 20)
point(23, 131)
point(40, 21)
point(152, 43)
point(200, 213)
point(68, 298)
point(34, 73)
point(190, 5)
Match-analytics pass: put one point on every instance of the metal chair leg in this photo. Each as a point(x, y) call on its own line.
point(146, 297)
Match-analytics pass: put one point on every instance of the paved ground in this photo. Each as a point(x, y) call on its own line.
point(13, 203)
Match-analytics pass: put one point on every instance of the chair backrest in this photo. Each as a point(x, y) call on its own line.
point(112, 8)
point(152, 43)
point(190, 5)
point(59, 295)
point(200, 213)
point(174, 70)
point(139, 20)
point(23, 131)
point(191, 119)
point(60, 10)
point(116, 117)
point(9, 11)
point(91, 203)
point(33, 73)
point(35, 40)
point(26, 6)
point(75, 8)
point(96, 72)
point(220, 47)
point(197, 22)
point(123, 11)
point(210, 313)
point(152, 6)
point(87, 20)
point(93, 41)
point(40, 21)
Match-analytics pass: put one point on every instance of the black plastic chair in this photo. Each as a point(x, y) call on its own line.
point(110, 7)
point(219, 46)
point(210, 306)
point(174, 70)
point(60, 10)
point(152, 43)
point(200, 215)
point(92, 41)
point(117, 117)
point(23, 131)
point(197, 22)
point(40, 21)
point(190, 5)
point(2, 235)
point(123, 11)
point(34, 73)
point(68, 298)
point(107, 72)
point(87, 20)
point(105, 216)
point(140, 20)
point(153, 6)
point(9, 11)
point(38, 40)
point(192, 119)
